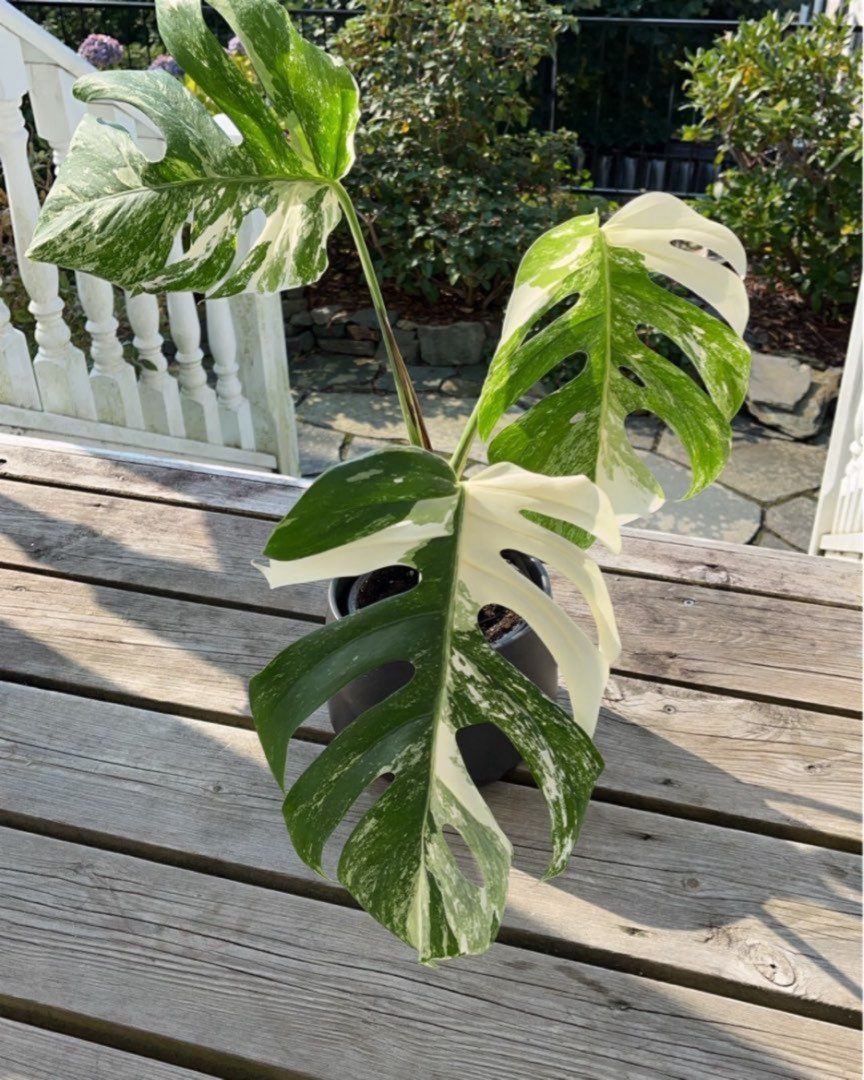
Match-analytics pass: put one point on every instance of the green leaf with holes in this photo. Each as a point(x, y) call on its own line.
point(116, 214)
point(602, 278)
point(405, 506)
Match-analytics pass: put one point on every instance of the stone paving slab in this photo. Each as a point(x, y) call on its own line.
point(319, 448)
point(716, 513)
point(769, 540)
point(792, 521)
point(355, 445)
point(377, 416)
point(425, 379)
point(319, 371)
point(768, 470)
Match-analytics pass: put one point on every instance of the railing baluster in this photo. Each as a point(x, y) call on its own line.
point(60, 367)
point(235, 411)
point(160, 394)
point(17, 381)
point(112, 379)
point(115, 386)
point(200, 407)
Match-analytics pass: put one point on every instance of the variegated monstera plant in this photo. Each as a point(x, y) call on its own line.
point(562, 474)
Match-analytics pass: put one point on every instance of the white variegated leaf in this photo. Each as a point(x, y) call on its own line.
point(601, 276)
point(114, 213)
point(405, 506)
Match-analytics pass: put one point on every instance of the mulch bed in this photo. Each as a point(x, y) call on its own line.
point(780, 320)
point(343, 284)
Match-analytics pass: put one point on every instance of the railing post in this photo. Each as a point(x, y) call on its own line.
point(263, 361)
point(235, 412)
point(61, 370)
point(838, 511)
point(112, 380)
point(159, 393)
point(261, 354)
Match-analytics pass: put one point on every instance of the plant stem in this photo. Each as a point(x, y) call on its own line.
point(460, 454)
point(408, 400)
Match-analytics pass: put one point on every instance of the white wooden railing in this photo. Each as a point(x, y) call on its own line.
point(123, 394)
point(839, 526)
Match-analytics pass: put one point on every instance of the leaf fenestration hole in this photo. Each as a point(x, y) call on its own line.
point(496, 621)
point(550, 315)
point(382, 584)
point(337, 839)
point(464, 856)
point(571, 367)
point(630, 374)
point(664, 346)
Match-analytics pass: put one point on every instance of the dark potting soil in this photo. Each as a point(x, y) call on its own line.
point(494, 620)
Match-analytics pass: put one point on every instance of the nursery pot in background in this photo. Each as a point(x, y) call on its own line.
point(487, 751)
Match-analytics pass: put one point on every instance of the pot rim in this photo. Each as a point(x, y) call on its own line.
point(541, 580)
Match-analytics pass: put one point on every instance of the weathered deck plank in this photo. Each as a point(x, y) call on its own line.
point(27, 1053)
point(168, 654)
point(692, 902)
point(692, 635)
point(756, 763)
point(676, 558)
point(313, 988)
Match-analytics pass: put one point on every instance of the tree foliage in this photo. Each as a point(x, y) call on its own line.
point(451, 180)
point(785, 105)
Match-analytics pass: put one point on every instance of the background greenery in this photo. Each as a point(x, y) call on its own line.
point(456, 175)
point(451, 179)
point(785, 106)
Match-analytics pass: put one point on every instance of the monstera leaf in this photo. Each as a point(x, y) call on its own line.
point(601, 278)
point(115, 214)
point(406, 506)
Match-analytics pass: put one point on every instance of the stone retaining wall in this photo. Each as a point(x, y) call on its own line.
point(334, 329)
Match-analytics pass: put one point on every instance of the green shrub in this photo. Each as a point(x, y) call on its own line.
point(451, 181)
point(785, 106)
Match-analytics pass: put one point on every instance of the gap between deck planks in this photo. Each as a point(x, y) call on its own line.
point(29, 1053)
point(723, 640)
point(778, 764)
point(752, 917)
point(122, 940)
point(674, 558)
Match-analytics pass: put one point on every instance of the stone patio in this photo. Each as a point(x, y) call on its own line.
point(766, 496)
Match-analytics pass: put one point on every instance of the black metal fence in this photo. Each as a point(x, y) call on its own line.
point(616, 81)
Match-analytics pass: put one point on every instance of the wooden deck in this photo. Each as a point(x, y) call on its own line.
point(155, 923)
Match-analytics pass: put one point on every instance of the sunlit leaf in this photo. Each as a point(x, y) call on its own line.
point(602, 277)
point(405, 506)
point(114, 213)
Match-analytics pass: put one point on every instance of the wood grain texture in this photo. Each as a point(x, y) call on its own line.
point(27, 1053)
point(754, 645)
point(192, 658)
point(299, 985)
point(789, 768)
point(144, 545)
point(698, 901)
point(678, 558)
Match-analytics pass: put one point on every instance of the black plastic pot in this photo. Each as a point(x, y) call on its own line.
point(486, 750)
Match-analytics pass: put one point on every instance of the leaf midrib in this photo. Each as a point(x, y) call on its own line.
point(446, 644)
point(607, 349)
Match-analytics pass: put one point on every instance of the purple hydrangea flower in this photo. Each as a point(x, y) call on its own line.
point(101, 50)
point(236, 47)
point(164, 62)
